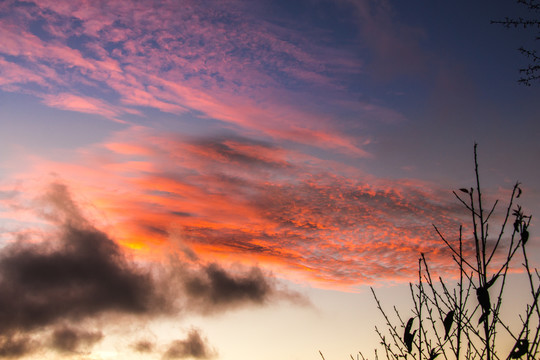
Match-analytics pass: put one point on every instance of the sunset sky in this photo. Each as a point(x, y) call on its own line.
point(226, 179)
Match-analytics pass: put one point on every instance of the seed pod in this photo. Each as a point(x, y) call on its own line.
point(408, 337)
point(448, 321)
point(520, 349)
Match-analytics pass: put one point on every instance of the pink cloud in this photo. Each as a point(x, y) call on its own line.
point(12, 76)
point(157, 55)
point(21, 43)
point(81, 104)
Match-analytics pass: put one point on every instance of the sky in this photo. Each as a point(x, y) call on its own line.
point(227, 179)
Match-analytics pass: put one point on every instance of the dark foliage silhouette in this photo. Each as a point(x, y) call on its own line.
point(463, 318)
point(484, 273)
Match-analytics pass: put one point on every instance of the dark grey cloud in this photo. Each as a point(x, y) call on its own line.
point(58, 206)
point(143, 346)
point(236, 240)
point(16, 346)
point(194, 346)
point(181, 213)
point(81, 273)
point(78, 273)
point(84, 275)
point(71, 340)
point(214, 289)
point(238, 151)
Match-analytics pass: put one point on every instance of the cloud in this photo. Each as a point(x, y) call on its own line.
point(213, 288)
point(81, 274)
point(70, 340)
point(16, 346)
point(238, 151)
point(143, 346)
point(231, 63)
point(81, 104)
point(78, 273)
point(254, 202)
point(194, 346)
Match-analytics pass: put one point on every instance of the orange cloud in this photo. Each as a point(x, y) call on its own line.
point(247, 201)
